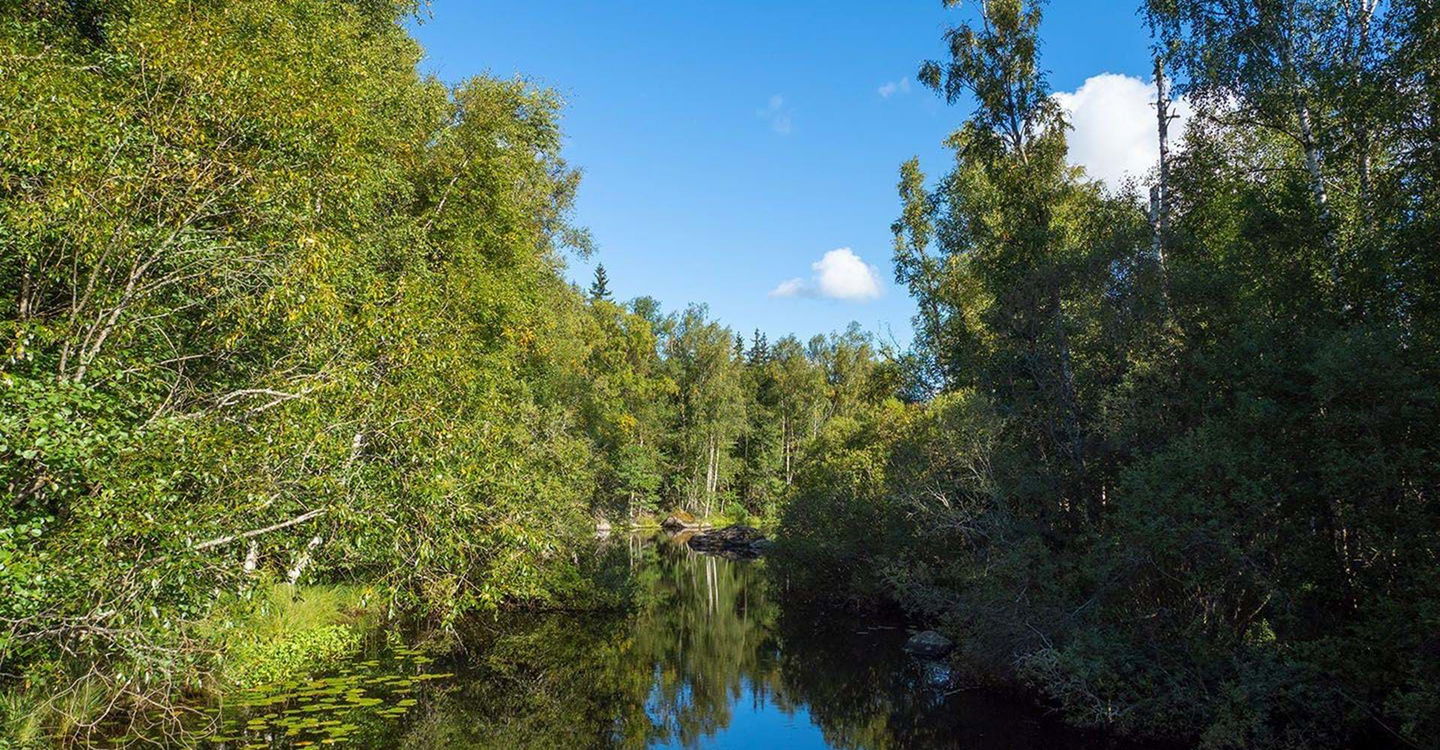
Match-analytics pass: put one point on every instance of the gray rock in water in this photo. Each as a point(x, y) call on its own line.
point(679, 521)
point(732, 541)
point(929, 644)
point(762, 545)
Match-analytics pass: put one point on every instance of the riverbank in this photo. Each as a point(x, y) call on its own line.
point(277, 633)
point(273, 633)
point(267, 633)
point(711, 653)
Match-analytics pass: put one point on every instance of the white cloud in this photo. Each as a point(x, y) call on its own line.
point(1113, 117)
point(891, 88)
point(839, 274)
point(777, 114)
point(792, 288)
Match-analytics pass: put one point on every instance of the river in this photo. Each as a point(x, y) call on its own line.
point(710, 657)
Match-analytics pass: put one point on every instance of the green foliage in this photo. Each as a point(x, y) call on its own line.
point(275, 304)
point(285, 632)
point(292, 656)
point(1199, 497)
point(33, 718)
point(600, 288)
point(838, 493)
point(256, 269)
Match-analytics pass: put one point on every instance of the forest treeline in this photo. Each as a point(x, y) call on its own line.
point(1179, 471)
point(278, 307)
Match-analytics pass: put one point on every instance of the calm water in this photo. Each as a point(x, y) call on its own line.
point(710, 658)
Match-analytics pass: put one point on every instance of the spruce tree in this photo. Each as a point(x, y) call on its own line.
point(759, 349)
point(600, 287)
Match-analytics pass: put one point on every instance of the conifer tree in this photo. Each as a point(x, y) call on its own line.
point(759, 349)
point(600, 287)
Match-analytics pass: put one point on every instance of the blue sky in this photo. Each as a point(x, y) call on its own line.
point(729, 147)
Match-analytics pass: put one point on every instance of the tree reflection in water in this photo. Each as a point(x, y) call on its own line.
point(708, 657)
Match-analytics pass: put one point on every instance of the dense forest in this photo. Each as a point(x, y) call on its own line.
point(1177, 467)
point(279, 308)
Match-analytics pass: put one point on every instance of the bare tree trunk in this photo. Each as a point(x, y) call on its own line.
point(1160, 193)
point(302, 518)
point(714, 468)
point(25, 284)
point(252, 558)
point(710, 470)
point(1364, 13)
point(787, 440)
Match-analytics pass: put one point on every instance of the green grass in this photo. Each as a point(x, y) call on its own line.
point(287, 632)
point(29, 719)
point(714, 520)
point(21, 720)
point(280, 633)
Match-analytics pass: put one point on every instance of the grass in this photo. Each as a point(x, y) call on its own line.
point(283, 609)
point(22, 720)
point(29, 719)
point(287, 632)
point(279, 633)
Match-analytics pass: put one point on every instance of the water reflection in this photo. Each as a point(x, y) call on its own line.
point(707, 658)
point(711, 659)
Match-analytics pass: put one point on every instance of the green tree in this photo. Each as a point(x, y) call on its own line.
point(1168, 487)
point(258, 275)
point(711, 411)
point(600, 287)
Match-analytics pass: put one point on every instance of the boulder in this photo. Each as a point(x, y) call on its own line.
point(679, 520)
point(929, 644)
point(737, 541)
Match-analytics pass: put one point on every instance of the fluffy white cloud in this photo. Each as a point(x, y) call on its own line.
point(777, 114)
point(891, 88)
point(839, 274)
point(1113, 117)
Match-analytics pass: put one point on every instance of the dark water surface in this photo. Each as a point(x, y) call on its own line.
point(710, 658)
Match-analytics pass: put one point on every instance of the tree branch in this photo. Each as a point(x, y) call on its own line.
point(257, 532)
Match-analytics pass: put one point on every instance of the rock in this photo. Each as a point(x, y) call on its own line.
point(762, 546)
point(679, 520)
point(929, 645)
point(732, 541)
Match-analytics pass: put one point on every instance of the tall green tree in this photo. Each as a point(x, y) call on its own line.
point(711, 411)
point(600, 287)
point(258, 276)
point(1191, 501)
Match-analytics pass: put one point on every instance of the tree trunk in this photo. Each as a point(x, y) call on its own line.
point(1315, 167)
point(1160, 193)
point(303, 561)
point(25, 284)
point(786, 445)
